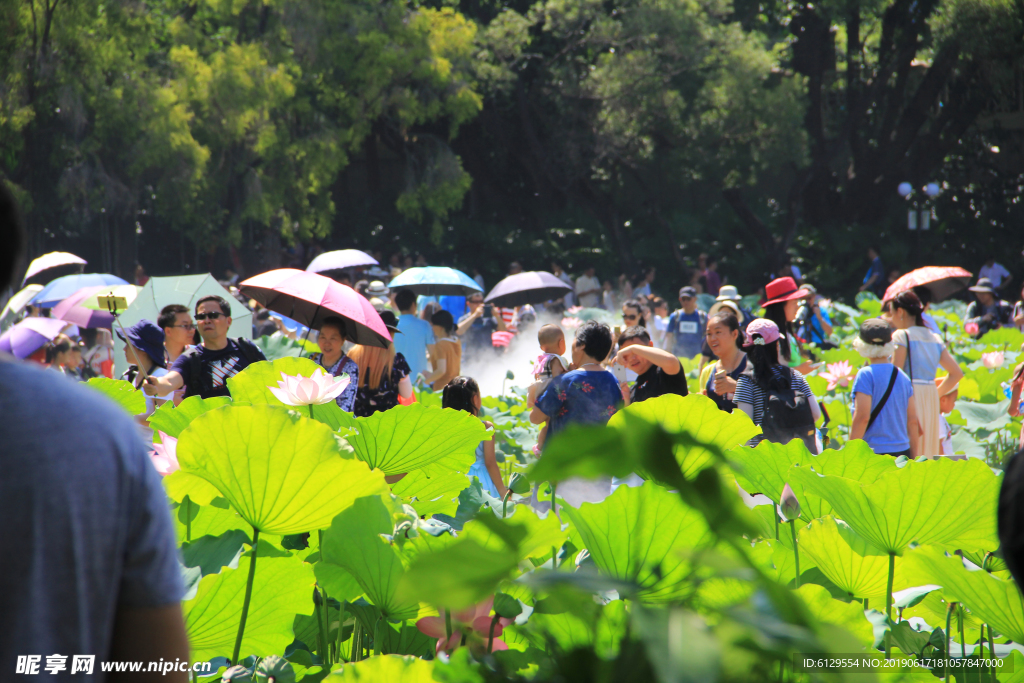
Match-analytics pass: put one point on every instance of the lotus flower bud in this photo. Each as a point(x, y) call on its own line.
point(789, 506)
point(275, 669)
point(519, 484)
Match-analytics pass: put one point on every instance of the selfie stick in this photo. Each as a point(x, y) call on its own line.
point(112, 305)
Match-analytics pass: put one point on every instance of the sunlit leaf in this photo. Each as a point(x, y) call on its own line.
point(541, 534)
point(282, 588)
point(432, 492)
point(120, 392)
point(847, 615)
point(283, 473)
point(936, 502)
point(848, 560)
point(252, 385)
point(405, 438)
point(636, 535)
point(386, 668)
point(172, 420)
point(993, 601)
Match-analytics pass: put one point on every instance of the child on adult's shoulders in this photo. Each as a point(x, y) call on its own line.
point(549, 364)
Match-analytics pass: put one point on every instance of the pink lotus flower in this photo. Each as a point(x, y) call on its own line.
point(571, 323)
point(474, 623)
point(992, 360)
point(315, 390)
point(572, 310)
point(839, 374)
point(165, 455)
point(971, 329)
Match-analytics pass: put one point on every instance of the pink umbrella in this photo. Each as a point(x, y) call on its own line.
point(309, 298)
point(942, 281)
point(72, 311)
point(52, 266)
point(29, 335)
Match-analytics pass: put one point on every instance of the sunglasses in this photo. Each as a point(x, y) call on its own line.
point(208, 316)
point(629, 317)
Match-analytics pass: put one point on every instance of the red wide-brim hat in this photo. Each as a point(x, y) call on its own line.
point(783, 289)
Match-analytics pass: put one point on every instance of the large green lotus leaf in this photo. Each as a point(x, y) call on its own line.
point(172, 420)
point(991, 600)
point(847, 615)
point(933, 610)
point(990, 416)
point(338, 583)
point(252, 385)
point(849, 561)
point(212, 520)
point(989, 382)
point(405, 438)
point(432, 492)
point(282, 588)
point(387, 669)
point(460, 575)
point(541, 534)
point(933, 502)
point(1004, 337)
point(181, 483)
point(697, 416)
point(282, 472)
point(279, 346)
point(765, 470)
point(636, 534)
point(120, 392)
point(210, 553)
point(356, 543)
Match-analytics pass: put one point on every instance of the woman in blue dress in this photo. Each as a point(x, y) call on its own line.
point(462, 393)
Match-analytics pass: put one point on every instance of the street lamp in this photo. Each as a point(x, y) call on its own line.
point(920, 215)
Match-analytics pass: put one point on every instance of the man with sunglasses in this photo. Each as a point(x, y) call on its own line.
point(204, 370)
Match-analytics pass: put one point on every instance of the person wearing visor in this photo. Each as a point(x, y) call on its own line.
point(144, 351)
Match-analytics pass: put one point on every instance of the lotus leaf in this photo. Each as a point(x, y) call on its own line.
point(279, 346)
point(930, 502)
point(765, 470)
point(460, 575)
point(432, 492)
point(541, 534)
point(359, 541)
point(697, 416)
point(387, 668)
point(181, 483)
point(338, 583)
point(172, 420)
point(848, 560)
point(281, 588)
point(406, 438)
point(847, 615)
point(283, 473)
point(213, 520)
point(636, 534)
point(989, 381)
point(990, 416)
point(993, 601)
point(210, 553)
point(120, 392)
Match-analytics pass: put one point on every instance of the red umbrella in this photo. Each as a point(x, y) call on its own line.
point(942, 281)
point(309, 298)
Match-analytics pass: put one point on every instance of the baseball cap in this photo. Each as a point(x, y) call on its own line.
point(687, 292)
point(876, 331)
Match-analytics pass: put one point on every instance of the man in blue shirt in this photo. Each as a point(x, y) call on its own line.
point(417, 336)
point(686, 327)
point(874, 279)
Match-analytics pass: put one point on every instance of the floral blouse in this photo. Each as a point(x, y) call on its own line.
point(385, 396)
point(580, 396)
point(346, 400)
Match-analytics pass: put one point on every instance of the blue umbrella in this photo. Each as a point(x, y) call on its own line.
point(436, 281)
point(63, 287)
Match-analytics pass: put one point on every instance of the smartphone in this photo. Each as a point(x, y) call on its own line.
point(113, 303)
point(619, 371)
point(488, 310)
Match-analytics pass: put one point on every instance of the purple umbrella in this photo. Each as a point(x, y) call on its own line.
point(52, 266)
point(534, 287)
point(29, 335)
point(71, 310)
point(339, 260)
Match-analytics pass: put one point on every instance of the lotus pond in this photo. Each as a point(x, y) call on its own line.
point(306, 560)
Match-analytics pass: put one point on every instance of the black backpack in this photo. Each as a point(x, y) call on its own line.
point(787, 415)
point(201, 383)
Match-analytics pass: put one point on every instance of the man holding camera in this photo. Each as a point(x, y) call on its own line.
point(475, 327)
point(813, 322)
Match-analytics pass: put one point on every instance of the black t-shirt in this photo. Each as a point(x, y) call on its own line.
point(656, 382)
point(217, 366)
